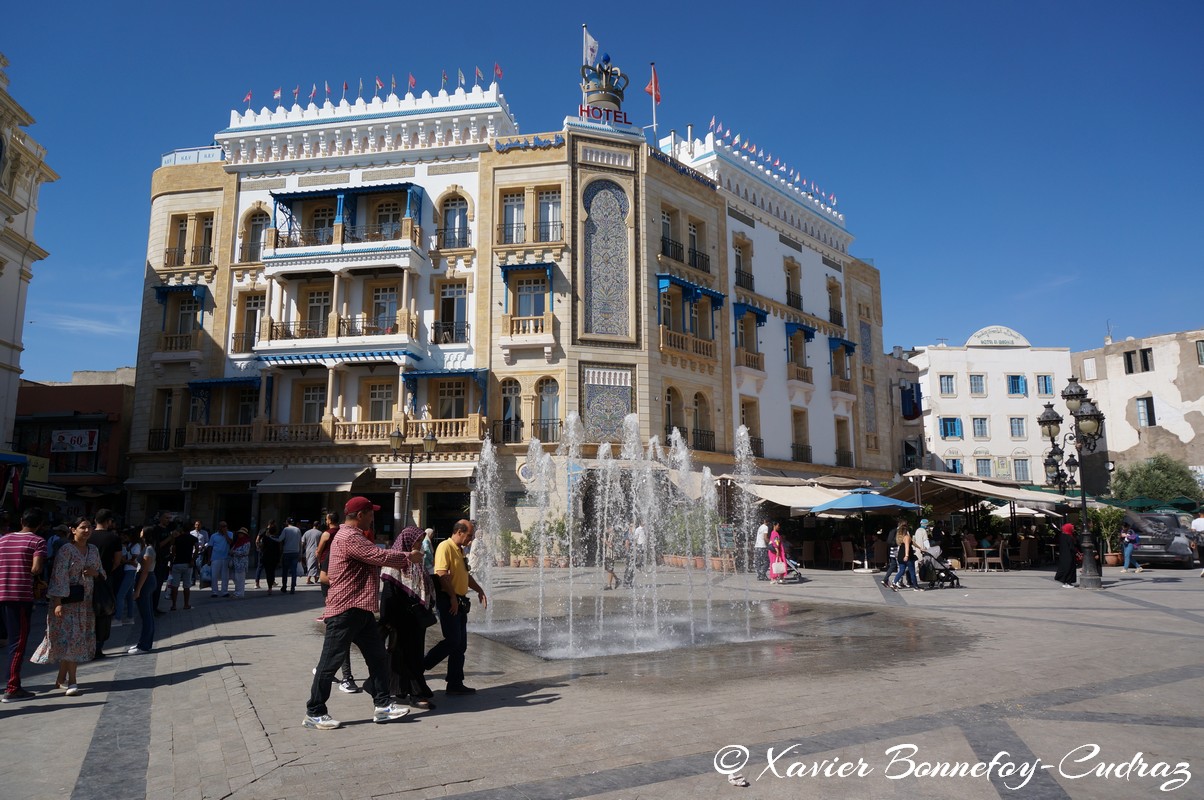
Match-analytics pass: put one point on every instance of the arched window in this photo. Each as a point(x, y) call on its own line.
point(257, 227)
point(704, 433)
point(454, 232)
point(547, 427)
point(674, 415)
point(511, 422)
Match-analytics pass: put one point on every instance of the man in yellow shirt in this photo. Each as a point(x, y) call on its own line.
point(452, 583)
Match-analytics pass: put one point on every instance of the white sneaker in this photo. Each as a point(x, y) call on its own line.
point(72, 691)
point(136, 651)
point(349, 687)
point(322, 723)
point(389, 713)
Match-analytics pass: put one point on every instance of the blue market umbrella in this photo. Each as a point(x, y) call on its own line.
point(863, 501)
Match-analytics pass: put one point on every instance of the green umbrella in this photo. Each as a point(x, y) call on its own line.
point(1141, 503)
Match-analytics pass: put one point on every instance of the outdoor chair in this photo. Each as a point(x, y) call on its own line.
point(996, 558)
point(847, 556)
point(970, 558)
point(807, 554)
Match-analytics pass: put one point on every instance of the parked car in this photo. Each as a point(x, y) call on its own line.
point(1165, 538)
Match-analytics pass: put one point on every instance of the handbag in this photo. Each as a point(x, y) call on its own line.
point(104, 602)
point(421, 612)
point(777, 568)
point(75, 595)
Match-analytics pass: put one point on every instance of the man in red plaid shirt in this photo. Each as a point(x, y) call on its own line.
point(350, 615)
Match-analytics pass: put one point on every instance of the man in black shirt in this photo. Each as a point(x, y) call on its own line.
point(106, 540)
point(159, 540)
point(182, 550)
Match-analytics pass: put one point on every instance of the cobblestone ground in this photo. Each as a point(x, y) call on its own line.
point(1010, 663)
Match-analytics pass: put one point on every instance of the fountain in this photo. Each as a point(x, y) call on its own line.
point(568, 613)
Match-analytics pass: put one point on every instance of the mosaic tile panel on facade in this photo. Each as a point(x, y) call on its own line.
point(607, 290)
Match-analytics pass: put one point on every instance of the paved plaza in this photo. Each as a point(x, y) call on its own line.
point(1010, 669)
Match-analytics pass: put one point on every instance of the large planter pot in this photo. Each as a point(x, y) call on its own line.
point(516, 561)
point(1113, 559)
point(529, 561)
point(562, 562)
point(700, 562)
point(717, 563)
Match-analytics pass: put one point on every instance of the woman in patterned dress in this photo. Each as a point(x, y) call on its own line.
point(71, 627)
point(240, 553)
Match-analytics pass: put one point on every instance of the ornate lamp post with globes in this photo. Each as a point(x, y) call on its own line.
point(397, 440)
point(1086, 431)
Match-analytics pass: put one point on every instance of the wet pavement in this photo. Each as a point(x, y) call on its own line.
point(841, 675)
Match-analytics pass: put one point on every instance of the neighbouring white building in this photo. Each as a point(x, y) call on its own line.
point(1151, 392)
point(981, 402)
point(23, 170)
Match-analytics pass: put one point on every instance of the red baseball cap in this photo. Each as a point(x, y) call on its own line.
point(357, 504)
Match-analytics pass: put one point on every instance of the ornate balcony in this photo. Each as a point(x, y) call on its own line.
point(160, 439)
point(699, 260)
point(250, 252)
point(202, 254)
point(449, 333)
point(671, 249)
point(470, 428)
point(305, 237)
point(744, 280)
point(844, 458)
point(371, 431)
point(293, 433)
point(175, 257)
point(451, 238)
point(550, 232)
point(757, 445)
point(797, 372)
point(546, 430)
point(842, 385)
point(374, 432)
point(794, 300)
point(836, 316)
point(312, 329)
point(800, 452)
point(244, 342)
point(508, 431)
point(703, 440)
point(750, 360)
point(527, 333)
point(179, 342)
point(512, 233)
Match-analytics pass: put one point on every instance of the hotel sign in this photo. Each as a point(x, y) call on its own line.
point(610, 116)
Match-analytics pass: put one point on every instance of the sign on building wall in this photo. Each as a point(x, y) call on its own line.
point(74, 441)
point(1003, 467)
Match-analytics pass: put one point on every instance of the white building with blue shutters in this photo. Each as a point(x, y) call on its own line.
point(981, 402)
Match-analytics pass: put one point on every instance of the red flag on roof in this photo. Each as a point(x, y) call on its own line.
point(654, 87)
point(497, 70)
point(276, 94)
point(413, 81)
point(247, 99)
point(379, 83)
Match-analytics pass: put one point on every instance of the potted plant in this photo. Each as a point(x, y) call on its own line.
point(510, 543)
point(1108, 521)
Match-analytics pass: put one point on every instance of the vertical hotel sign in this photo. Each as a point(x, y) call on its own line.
point(76, 441)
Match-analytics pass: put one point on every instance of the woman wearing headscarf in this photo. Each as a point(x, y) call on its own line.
point(1068, 549)
point(404, 593)
point(777, 555)
point(70, 622)
point(240, 552)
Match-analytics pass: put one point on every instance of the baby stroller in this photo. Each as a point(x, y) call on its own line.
point(793, 566)
point(936, 571)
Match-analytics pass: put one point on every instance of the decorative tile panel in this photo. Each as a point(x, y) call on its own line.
point(607, 280)
point(323, 179)
point(608, 399)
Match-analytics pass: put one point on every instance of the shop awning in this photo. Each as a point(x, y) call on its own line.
point(43, 491)
point(325, 478)
point(426, 470)
point(153, 484)
point(801, 497)
point(9, 457)
point(205, 474)
point(947, 491)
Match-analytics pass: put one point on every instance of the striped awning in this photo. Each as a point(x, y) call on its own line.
point(334, 359)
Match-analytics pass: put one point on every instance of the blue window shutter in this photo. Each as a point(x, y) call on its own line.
point(1023, 385)
point(957, 427)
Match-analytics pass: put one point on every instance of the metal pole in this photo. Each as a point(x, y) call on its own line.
point(409, 480)
point(1090, 577)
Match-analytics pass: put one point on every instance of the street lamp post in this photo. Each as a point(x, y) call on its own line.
point(1084, 433)
point(397, 440)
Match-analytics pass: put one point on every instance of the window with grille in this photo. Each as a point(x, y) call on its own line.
point(531, 296)
point(549, 399)
point(1145, 412)
point(455, 222)
point(317, 309)
point(453, 401)
point(381, 402)
point(549, 216)
point(187, 318)
point(1020, 470)
point(248, 405)
point(313, 404)
point(384, 307)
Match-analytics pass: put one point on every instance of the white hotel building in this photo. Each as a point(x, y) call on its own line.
point(981, 402)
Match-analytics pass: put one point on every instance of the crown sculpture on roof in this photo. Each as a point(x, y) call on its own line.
point(603, 84)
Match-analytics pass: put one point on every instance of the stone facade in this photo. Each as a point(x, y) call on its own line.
point(23, 170)
point(1151, 391)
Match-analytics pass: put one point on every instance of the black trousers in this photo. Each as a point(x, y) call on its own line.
point(455, 641)
point(354, 626)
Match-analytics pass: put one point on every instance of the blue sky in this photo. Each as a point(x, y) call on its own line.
point(1024, 163)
